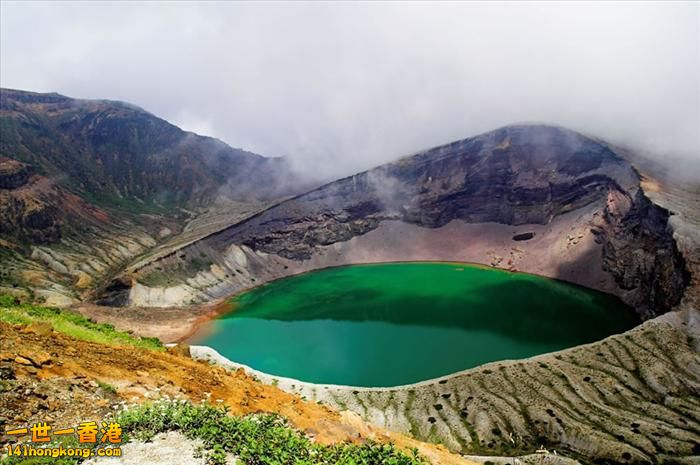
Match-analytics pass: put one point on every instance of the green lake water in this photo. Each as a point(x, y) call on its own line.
point(399, 323)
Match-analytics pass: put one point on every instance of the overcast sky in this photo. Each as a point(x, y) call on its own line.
point(339, 87)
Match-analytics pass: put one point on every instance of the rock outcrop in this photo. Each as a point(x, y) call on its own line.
point(516, 175)
point(13, 174)
point(640, 252)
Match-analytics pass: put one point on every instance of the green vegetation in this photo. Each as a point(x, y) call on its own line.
point(255, 439)
point(70, 323)
point(8, 301)
point(107, 387)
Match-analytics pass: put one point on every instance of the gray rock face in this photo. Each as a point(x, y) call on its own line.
point(640, 252)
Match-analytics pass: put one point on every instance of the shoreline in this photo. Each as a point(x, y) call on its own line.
point(297, 386)
point(201, 326)
point(191, 324)
point(169, 324)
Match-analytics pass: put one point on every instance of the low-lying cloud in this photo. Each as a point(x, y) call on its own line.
point(340, 87)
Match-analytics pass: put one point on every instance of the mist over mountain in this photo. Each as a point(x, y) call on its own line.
point(96, 182)
point(341, 88)
point(113, 152)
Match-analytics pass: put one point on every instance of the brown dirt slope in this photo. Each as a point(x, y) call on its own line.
point(61, 377)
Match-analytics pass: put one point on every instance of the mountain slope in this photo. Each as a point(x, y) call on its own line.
point(578, 205)
point(87, 185)
point(516, 175)
point(112, 150)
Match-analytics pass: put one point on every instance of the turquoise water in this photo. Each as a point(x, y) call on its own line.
point(399, 323)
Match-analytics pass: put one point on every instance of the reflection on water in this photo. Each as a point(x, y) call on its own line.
point(399, 323)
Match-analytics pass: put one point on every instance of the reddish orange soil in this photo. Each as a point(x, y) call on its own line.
point(43, 355)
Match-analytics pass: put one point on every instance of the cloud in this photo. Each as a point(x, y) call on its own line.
point(340, 87)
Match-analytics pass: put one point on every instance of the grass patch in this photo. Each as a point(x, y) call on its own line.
point(8, 301)
point(255, 439)
point(107, 387)
point(72, 324)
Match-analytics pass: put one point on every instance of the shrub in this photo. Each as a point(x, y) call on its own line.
point(254, 439)
point(8, 301)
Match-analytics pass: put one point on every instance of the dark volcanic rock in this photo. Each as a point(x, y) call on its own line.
point(516, 175)
point(31, 215)
point(524, 236)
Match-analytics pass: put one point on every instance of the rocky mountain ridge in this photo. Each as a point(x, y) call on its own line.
point(110, 150)
point(517, 176)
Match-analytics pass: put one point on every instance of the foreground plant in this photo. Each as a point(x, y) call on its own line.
point(253, 439)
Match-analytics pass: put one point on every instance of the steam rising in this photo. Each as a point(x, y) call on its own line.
point(340, 87)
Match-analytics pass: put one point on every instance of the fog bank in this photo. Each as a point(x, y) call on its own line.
point(340, 87)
